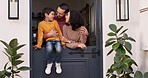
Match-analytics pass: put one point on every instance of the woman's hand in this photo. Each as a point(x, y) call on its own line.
point(82, 45)
point(83, 30)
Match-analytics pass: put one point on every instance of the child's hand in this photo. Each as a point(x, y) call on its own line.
point(35, 48)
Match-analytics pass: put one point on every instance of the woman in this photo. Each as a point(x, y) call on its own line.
point(74, 32)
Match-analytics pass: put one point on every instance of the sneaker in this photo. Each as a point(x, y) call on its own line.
point(58, 68)
point(48, 68)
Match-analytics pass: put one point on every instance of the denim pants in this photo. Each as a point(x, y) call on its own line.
point(49, 49)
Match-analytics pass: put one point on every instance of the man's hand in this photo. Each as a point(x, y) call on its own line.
point(52, 33)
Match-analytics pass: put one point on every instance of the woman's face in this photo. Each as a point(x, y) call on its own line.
point(67, 17)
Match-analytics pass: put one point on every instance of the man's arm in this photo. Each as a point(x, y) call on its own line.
point(52, 33)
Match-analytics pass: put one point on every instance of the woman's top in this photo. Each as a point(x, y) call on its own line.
point(46, 27)
point(75, 37)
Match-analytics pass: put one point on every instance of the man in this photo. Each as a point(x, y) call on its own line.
point(60, 18)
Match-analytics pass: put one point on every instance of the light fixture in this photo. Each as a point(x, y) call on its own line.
point(122, 10)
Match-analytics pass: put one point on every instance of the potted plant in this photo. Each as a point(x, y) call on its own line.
point(11, 68)
point(120, 44)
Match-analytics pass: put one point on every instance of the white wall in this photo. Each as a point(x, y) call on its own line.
point(143, 37)
point(109, 16)
point(136, 24)
point(15, 29)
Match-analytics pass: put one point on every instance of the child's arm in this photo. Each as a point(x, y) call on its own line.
point(40, 36)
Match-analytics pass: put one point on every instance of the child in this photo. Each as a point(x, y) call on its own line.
point(44, 27)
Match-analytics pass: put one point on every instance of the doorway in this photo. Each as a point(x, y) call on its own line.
point(77, 63)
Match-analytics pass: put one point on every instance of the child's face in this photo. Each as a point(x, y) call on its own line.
point(51, 16)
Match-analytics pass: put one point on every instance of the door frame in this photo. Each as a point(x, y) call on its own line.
point(100, 31)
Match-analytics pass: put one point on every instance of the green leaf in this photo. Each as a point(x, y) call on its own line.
point(17, 62)
point(146, 75)
point(128, 47)
point(123, 31)
point(125, 35)
point(8, 51)
point(120, 51)
point(3, 74)
point(113, 27)
point(119, 71)
point(5, 65)
point(125, 67)
point(116, 59)
point(13, 43)
point(111, 34)
point(17, 56)
point(110, 52)
point(127, 60)
point(20, 46)
point(7, 55)
point(138, 74)
point(113, 76)
point(109, 43)
point(24, 68)
point(8, 74)
point(111, 39)
point(5, 44)
point(129, 38)
point(119, 29)
point(134, 63)
point(115, 46)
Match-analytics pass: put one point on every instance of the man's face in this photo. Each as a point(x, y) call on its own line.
point(60, 13)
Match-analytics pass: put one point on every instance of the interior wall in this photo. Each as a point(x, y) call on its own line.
point(15, 29)
point(38, 5)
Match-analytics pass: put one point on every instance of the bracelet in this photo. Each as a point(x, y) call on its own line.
point(69, 41)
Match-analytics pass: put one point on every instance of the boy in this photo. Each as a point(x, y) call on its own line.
point(45, 27)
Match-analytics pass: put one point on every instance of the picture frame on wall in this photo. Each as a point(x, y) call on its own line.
point(13, 9)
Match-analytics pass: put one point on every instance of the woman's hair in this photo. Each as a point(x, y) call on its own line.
point(65, 7)
point(47, 10)
point(76, 19)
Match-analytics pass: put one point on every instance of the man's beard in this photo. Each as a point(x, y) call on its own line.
point(60, 17)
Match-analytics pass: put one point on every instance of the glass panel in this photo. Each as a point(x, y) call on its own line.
point(92, 25)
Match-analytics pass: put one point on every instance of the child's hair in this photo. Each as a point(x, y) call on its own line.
point(47, 10)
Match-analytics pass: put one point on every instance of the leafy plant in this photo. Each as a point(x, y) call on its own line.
point(11, 51)
point(119, 42)
point(139, 74)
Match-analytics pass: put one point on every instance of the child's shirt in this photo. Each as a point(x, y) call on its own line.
point(46, 27)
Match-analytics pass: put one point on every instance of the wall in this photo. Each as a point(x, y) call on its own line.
point(15, 29)
point(133, 25)
point(143, 37)
point(137, 23)
point(38, 5)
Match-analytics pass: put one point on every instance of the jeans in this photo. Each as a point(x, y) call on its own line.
point(49, 49)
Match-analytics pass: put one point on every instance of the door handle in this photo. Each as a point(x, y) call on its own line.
point(93, 52)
